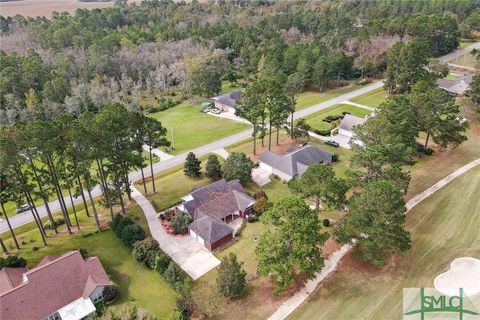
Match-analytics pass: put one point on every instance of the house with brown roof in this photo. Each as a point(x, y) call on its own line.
point(63, 287)
point(212, 208)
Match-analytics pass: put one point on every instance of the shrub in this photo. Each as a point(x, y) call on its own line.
point(239, 231)
point(35, 248)
point(57, 222)
point(169, 214)
point(132, 233)
point(162, 261)
point(12, 261)
point(145, 252)
point(231, 278)
point(110, 293)
point(429, 151)
point(260, 194)
point(180, 222)
point(252, 218)
point(335, 157)
point(260, 206)
point(185, 304)
point(119, 222)
point(322, 132)
point(326, 222)
point(83, 253)
point(173, 275)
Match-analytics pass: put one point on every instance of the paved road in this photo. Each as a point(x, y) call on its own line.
point(26, 217)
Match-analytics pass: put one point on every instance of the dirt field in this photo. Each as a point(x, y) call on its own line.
point(45, 8)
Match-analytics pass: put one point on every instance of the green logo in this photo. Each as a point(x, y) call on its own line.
point(420, 303)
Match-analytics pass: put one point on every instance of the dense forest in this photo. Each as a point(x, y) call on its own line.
point(151, 54)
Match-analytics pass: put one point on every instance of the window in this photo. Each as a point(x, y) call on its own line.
point(97, 297)
point(53, 316)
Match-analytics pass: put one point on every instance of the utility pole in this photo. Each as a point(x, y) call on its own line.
point(173, 142)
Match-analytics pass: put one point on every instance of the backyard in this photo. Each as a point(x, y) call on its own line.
point(445, 219)
point(316, 120)
point(138, 285)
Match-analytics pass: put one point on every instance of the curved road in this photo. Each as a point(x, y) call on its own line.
point(26, 217)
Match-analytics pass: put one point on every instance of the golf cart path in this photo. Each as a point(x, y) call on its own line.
point(331, 263)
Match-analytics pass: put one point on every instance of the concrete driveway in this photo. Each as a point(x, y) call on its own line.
point(260, 176)
point(189, 254)
point(342, 140)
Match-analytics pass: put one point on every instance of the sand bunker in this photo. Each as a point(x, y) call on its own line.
point(463, 273)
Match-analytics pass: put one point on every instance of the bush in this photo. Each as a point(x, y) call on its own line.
point(252, 218)
point(322, 132)
point(239, 231)
point(119, 223)
point(185, 304)
point(180, 222)
point(12, 262)
point(335, 157)
point(260, 194)
point(231, 278)
point(169, 214)
point(83, 253)
point(57, 222)
point(110, 293)
point(429, 151)
point(326, 222)
point(145, 252)
point(173, 275)
point(162, 261)
point(132, 233)
point(260, 206)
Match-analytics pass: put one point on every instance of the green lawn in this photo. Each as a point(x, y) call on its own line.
point(310, 97)
point(372, 98)
point(466, 60)
point(192, 129)
point(466, 42)
point(316, 120)
point(443, 227)
point(138, 285)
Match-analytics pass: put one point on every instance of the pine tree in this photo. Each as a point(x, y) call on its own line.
point(192, 166)
point(231, 277)
point(213, 169)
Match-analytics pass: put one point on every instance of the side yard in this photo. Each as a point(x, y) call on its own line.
point(372, 99)
point(138, 285)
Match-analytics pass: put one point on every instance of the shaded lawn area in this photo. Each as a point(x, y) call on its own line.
point(443, 227)
point(466, 60)
point(138, 285)
point(192, 128)
point(316, 120)
point(173, 184)
point(310, 97)
point(11, 206)
point(372, 98)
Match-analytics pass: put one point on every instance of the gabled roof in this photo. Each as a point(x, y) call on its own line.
point(349, 121)
point(210, 229)
point(10, 278)
point(457, 86)
point(219, 199)
point(229, 99)
point(296, 160)
point(53, 284)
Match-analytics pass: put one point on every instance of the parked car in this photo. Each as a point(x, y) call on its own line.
point(216, 111)
point(332, 143)
point(205, 110)
point(22, 208)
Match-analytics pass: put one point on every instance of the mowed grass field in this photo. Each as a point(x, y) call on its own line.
point(372, 98)
point(138, 286)
point(192, 128)
point(443, 227)
point(316, 120)
point(311, 97)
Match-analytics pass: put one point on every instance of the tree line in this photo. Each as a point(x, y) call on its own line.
point(68, 156)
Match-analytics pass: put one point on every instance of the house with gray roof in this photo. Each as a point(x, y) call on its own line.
point(295, 162)
point(227, 101)
point(457, 86)
point(212, 208)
